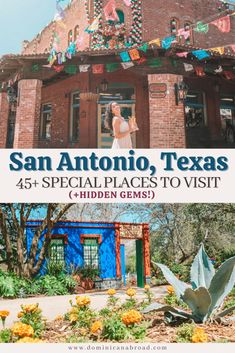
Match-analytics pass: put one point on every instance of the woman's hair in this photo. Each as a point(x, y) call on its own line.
point(109, 116)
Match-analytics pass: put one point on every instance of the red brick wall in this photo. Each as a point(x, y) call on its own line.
point(28, 114)
point(166, 119)
point(59, 94)
point(157, 15)
point(4, 111)
point(156, 23)
point(75, 15)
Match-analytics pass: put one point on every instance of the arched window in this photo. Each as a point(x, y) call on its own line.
point(174, 26)
point(70, 37)
point(76, 33)
point(188, 27)
point(121, 16)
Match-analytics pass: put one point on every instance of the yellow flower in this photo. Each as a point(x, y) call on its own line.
point(30, 308)
point(4, 314)
point(96, 327)
point(111, 292)
point(199, 336)
point(147, 287)
point(131, 317)
point(20, 314)
point(74, 310)
point(170, 290)
point(22, 330)
point(131, 292)
point(29, 340)
point(73, 317)
point(83, 301)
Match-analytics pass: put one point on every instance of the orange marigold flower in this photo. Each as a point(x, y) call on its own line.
point(147, 287)
point(131, 317)
point(29, 340)
point(20, 314)
point(111, 292)
point(199, 336)
point(131, 292)
point(30, 308)
point(83, 301)
point(170, 290)
point(4, 314)
point(96, 327)
point(73, 317)
point(22, 330)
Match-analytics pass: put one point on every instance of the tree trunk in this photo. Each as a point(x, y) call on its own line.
point(7, 241)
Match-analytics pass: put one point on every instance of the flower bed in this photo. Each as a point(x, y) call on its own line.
point(117, 322)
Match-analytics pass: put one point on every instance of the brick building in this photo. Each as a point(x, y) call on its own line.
point(54, 107)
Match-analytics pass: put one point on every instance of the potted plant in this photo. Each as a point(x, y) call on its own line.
point(88, 275)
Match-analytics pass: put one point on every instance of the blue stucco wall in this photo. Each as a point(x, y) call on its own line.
point(74, 248)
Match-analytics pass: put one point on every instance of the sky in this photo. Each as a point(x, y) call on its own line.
point(23, 20)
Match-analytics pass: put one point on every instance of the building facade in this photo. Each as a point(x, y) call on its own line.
point(49, 106)
point(96, 245)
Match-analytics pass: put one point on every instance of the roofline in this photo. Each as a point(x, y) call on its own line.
point(92, 222)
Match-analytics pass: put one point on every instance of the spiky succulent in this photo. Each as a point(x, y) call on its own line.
point(206, 294)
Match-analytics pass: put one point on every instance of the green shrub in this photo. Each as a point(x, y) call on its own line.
point(171, 299)
point(139, 331)
point(114, 329)
point(5, 336)
point(52, 286)
point(184, 333)
point(105, 312)
point(55, 268)
point(68, 282)
point(7, 287)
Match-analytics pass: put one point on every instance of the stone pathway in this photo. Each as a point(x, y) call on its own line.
point(59, 305)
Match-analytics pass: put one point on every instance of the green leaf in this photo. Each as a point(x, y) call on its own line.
point(178, 285)
point(226, 312)
point(199, 301)
point(222, 283)
point(202, 270)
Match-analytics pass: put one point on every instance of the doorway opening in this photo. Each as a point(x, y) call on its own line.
point(197, 133)
point(133, 254)
point(132, 263)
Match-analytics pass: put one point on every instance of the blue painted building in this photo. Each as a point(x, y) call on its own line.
point(98, 245)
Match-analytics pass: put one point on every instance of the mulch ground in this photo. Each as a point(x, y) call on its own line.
point(59, 331)
point(162, 333)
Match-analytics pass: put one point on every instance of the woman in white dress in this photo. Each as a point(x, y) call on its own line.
point(121, 128)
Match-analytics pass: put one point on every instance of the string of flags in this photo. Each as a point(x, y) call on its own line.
point(135, 55)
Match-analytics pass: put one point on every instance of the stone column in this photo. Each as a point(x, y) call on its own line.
point(167, 120)
point(4, 113)
point(28, 114)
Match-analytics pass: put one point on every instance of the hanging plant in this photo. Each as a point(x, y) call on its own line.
point(113, 34)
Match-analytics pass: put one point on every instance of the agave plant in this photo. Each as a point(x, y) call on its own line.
point(206, 294)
